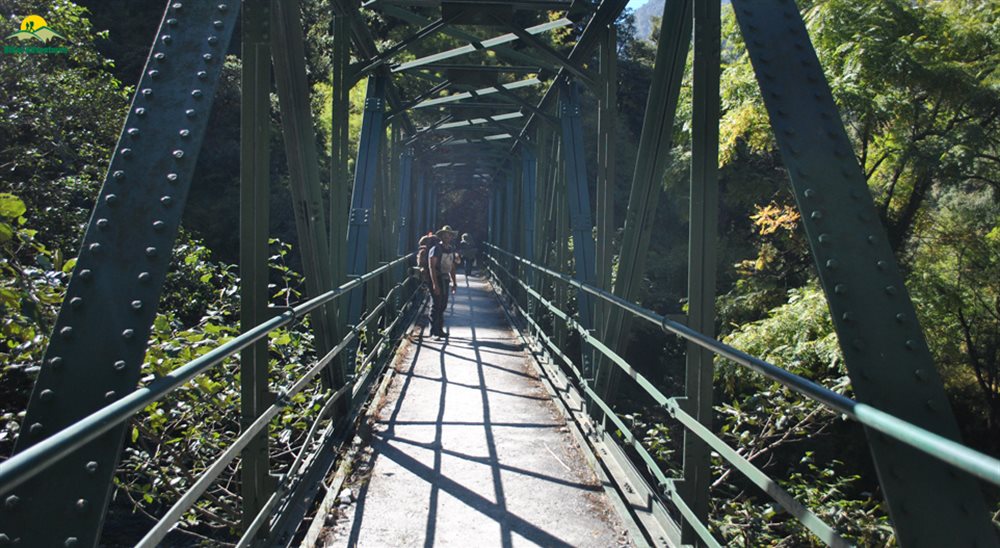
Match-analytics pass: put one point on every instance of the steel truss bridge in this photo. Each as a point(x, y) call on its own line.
point(530, 157)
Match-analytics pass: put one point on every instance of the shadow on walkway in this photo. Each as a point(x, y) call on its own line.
point(469, 448)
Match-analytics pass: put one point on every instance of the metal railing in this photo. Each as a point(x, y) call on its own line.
point(977, 464)
point(34, 460)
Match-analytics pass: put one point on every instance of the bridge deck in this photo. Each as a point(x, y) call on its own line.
point(468, 449)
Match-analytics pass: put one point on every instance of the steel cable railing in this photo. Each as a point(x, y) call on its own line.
point(32, 461)
point(964, 458)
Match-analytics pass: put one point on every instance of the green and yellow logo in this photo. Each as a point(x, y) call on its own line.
point(34, 27)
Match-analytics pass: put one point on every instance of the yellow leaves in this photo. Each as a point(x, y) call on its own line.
point(773, 217)
point(748, 124)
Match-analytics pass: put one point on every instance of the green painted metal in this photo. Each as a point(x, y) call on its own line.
point(703, 218)
point(650, 166)
point(507, 218)
point(578, 200)
point(256, 484)
point(607, 120)
point(884, 348)
point(288, 54)
point(362, 197)
point(696, 522)
point(32, 462)
point(99, 339)
point(940, 448)
point(340, 183)
point(405, 237)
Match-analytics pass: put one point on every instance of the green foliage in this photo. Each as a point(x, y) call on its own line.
point(174, 440)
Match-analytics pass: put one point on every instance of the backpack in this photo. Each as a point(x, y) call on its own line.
point(423, 253)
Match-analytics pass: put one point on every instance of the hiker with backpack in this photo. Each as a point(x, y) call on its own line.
point(440, 273)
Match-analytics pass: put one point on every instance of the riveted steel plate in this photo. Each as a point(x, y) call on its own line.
point(886, 354)
point(99, 340)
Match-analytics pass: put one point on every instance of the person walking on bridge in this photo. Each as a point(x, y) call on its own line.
point(441, 261)
point(467, 249)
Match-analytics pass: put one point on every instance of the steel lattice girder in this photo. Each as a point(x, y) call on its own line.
point(651, 161)
point(100, 336)
point(884, 347)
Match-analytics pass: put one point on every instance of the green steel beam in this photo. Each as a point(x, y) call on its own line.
point(455, 32)
point(606, 14)
point(554, 57)
point(650, 166)
point(884, 348)
point(405, 240)
point(365, 48)
point(362, 200)
point(256, 484)
point(527, 82)
point(703, 218)
point(98, 343)
point(578, 200)
point(479, 45)
point(340, 176)
point(607, 119)
point(427, 31)
point(288, 54)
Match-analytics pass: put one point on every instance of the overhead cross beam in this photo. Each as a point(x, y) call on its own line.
point(489, 43)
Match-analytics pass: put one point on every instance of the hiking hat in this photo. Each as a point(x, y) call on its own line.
point(446, 229)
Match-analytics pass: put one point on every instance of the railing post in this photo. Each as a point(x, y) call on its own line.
point(255, 139)
point(362, 200)
point(701, 256)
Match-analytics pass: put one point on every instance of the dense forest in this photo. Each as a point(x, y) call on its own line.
point(919, 93)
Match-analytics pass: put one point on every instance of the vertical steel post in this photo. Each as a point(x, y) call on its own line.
point(701, 254)
point(420, 225)
point(529, 198)
point(507, 219)
point(650, 166)
point(255, 141)
point(607, 119)
point(404, 238)
point(578, 199)
point(340, 184)
point(884, 348)
point(288, 54)
point(362, 200)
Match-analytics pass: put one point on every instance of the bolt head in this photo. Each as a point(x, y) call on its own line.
point(119, 365)
point(46, 395)
point(91, 467)
point(12, 501)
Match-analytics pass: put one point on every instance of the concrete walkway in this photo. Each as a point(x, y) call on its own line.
point(470, 451)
